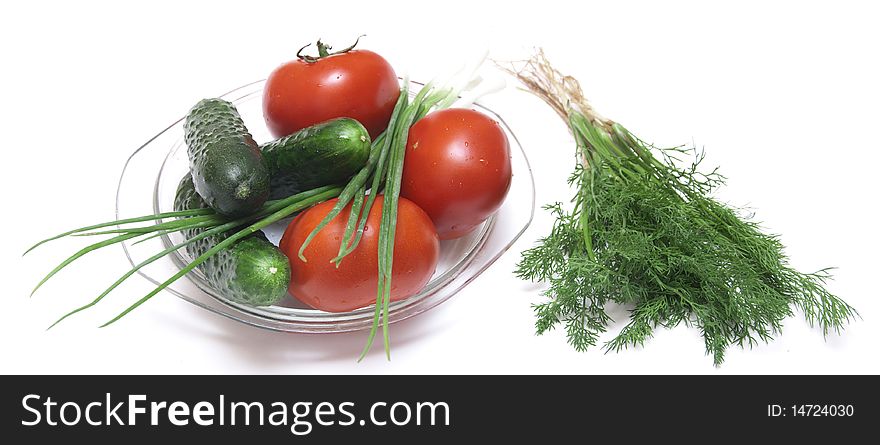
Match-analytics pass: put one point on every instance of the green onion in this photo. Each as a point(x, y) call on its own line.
point(207, 219)
point(214, 231)
point(355, 186)
point(428, 98)
point(185, 213)
point(385, 167)
point(293, 207)
point(80, 253)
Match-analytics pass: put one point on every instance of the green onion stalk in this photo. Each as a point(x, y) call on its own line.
point(178, 221)
point(644, 231)
point(383, 174)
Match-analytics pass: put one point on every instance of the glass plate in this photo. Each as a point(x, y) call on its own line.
point(149, 181)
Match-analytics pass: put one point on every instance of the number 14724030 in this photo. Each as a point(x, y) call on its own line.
point(810, 410)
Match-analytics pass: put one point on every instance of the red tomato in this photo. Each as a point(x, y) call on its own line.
point(319, 284)
point(457, 168)
point(357, 84)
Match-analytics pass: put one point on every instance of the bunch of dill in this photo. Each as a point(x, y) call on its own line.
point(645, 232)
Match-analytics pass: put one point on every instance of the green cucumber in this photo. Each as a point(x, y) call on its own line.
point(228, 170)
point(252, 271)
point(326, 153)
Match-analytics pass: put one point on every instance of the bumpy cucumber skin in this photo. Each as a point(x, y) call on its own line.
point(252, 271)
point(228, 170)
point(326, 153)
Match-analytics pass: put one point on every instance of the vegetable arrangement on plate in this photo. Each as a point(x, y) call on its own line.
point(343, 144)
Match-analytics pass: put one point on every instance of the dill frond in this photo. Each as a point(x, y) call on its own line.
point(644, 231)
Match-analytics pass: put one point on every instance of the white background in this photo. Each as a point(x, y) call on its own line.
point(784, 96)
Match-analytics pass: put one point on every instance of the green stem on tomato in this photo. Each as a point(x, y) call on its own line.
point(324, 51)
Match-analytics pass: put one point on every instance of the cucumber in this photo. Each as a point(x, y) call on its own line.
point(252, 271)
point(228, 170)
point(326, 153)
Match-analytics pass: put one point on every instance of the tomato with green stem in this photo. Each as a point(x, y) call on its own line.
point(319, 283)
point(358, 84)
point(456, 168)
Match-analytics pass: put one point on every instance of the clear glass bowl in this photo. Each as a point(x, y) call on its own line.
point(149, 181)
